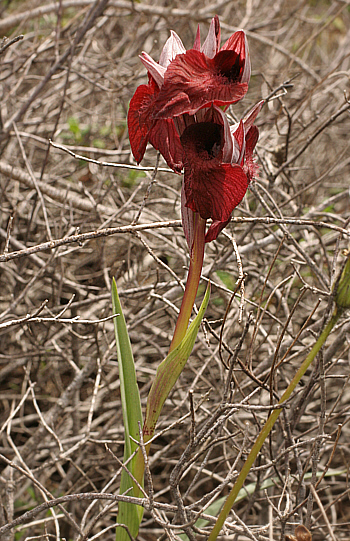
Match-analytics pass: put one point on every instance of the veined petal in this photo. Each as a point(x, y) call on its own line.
point(215, 192)
point(251, 168)
point(173, 46)
point(212, 42)
point(215, 115)
point(252, 137)
point(193, 81)
point(164, 137)
point(215, 229)
point(182, 122)
point(203, 143)
point(237, 151)
point(140, 121)
point(197, 41)
point(249, 119)
point(153, 68)
point(228, 148)
point(177, 105)
point(229, 65)
point(238, 135)
point(239, 44)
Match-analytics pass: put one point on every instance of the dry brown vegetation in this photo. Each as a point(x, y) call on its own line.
point(69, 80)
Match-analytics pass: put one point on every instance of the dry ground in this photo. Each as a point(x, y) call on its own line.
point(70, 80)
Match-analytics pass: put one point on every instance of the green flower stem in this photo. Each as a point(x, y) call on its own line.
point(268, 426)
point(194, 274)
point(166, 376)
point(163, 382)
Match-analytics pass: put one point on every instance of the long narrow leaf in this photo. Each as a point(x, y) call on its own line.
point(170, 369)
point(248, 490)
point(167, 373)
point(128, 514)
point(266, 429)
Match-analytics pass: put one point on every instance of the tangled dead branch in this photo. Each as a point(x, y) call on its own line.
point(76, 211)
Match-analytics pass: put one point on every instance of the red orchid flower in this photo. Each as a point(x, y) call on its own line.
point(182, 83)
point(219, 165)
point(204, 76)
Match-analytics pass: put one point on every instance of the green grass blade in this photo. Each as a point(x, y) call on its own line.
point(248, 490)
point(128, 514)
point(266, 429)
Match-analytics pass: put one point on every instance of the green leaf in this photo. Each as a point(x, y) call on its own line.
point(342, 293)
point(266, 429)
point(74, 127)
point(128, 514)
point(170, 369)
point(212, 510)
point(227, 279)
point(99, 143)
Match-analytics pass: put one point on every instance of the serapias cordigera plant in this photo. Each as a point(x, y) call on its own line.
point(181, 113)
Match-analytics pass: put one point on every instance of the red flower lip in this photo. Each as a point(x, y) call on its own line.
point(212, 188)
point(219, 165)
point(204, 143)
point(194, 80)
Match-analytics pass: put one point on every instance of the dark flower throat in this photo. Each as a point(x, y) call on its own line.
point(204, 140)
